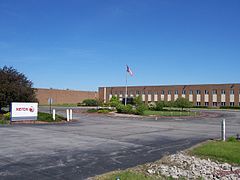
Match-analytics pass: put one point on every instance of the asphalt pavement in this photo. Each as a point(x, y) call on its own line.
point(95, 144)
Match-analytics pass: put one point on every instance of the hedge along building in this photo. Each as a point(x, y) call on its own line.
point(63, 96)
point(212, 95)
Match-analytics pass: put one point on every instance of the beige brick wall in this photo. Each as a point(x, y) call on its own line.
point(63, 96)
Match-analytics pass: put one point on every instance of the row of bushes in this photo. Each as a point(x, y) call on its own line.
point(229, 107)
point(130, 109)
point(104, 111)
point(179, 103)
point(89, 102)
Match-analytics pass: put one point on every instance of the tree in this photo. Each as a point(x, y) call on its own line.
point(140, 106)
point(183, 103)
point(138, 101)
point(15, 86)
point(114, 101)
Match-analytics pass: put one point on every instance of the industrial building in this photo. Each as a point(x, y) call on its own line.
point(209, 95)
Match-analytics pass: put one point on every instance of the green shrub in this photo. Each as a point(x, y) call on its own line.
point(89, 102)
point(229, 107)
point(128, 109)
point(137, 101)
point(92, 110)
point(140, 109)
point(231, 139)
point(104, 111)
point(7, 116)
point(159, 106)
point(152, 106)
point(183, 103)
point(114, 102)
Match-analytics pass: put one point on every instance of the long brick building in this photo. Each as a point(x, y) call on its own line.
point(212, 95)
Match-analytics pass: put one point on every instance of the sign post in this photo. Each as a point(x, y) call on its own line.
point(50, 101)
point(24, 111)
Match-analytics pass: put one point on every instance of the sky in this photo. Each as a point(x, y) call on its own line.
point(86, 44)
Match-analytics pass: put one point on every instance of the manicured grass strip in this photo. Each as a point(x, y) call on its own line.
point(125, 175)
point(48, 117)
point(221, 151)
point(169, 113)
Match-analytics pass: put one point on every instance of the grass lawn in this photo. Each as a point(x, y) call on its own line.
point(169, 113)
point(125, 175)
point(46, 117)
point(221, 151)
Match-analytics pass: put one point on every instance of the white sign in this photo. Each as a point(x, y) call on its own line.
point(24, 111)
point(50, 100)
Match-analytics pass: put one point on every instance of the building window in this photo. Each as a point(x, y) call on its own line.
point(169, 92)
point(198, 92)
point(190, 92)
point(137, 92)
point(143, 93)
point(198, 103)
point(223, 91)
point(149, 93)
point(223, 104)
point(206, 103)
point(176, 92)
point(231, 91)
point(155, 93)
point(162, 92)
point(231, 103)
point(214, 91)
point(121, 92)
point(206, 92)
point(214, 104)
point(184, 92)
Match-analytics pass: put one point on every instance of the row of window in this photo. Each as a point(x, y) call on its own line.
point(184, 92)
point(215, 104)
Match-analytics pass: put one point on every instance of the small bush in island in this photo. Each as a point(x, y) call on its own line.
point(104, 111)
point(138, 108)
point(89, 102)
point(128, 109)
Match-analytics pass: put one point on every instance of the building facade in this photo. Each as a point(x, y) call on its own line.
point(210, 95)
point(63, 96)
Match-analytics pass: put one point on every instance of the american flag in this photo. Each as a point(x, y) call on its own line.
point(129, 70)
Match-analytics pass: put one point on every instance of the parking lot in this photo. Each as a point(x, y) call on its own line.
point(96, 144)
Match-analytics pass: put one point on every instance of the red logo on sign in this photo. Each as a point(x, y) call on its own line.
point(31, 109)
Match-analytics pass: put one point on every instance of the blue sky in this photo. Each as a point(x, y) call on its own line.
point(84, 44)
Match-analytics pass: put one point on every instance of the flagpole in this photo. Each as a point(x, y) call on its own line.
point(126, 89)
